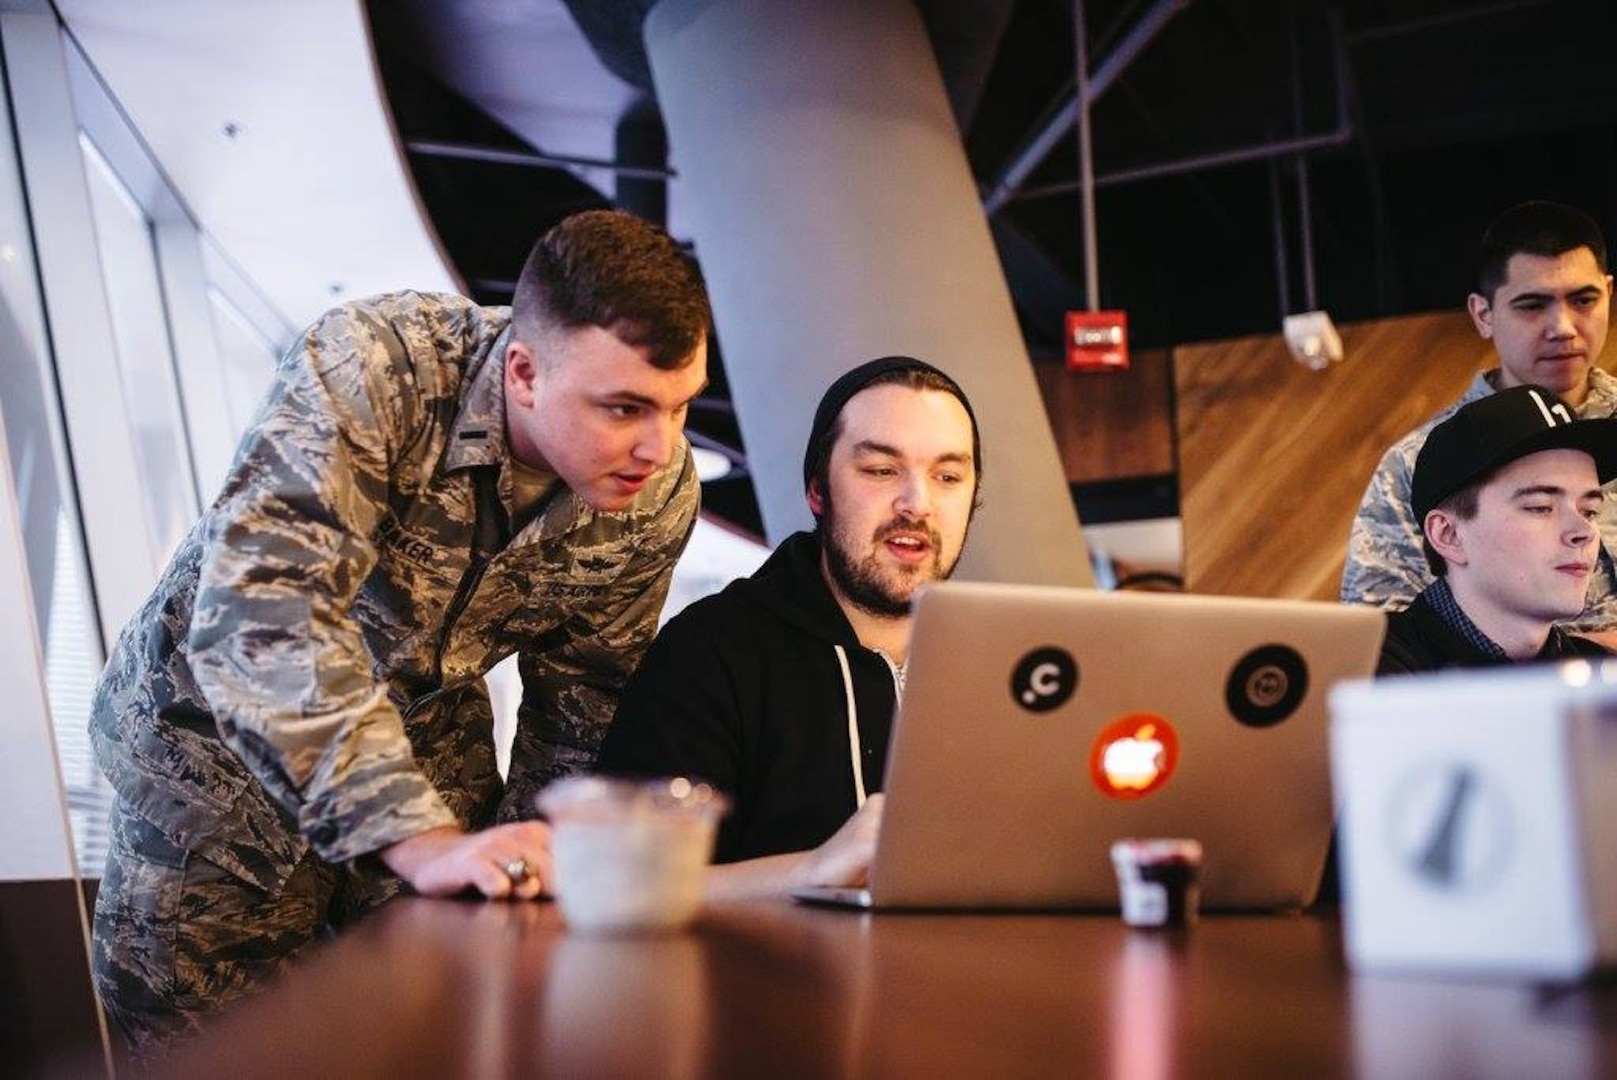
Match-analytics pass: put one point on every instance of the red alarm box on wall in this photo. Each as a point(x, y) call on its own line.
point(1097, 341)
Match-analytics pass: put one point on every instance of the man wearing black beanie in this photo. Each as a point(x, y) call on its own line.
point(780, 690)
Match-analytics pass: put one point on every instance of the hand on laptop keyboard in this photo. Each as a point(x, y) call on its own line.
point(844, 860)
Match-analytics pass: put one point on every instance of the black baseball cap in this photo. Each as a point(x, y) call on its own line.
point(850, 383)
point(1489, 433)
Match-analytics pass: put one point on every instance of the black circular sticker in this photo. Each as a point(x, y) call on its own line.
point(1044, 679)
point(1266, 686)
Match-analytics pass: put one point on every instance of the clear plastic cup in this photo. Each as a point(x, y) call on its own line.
point(1158, 881)
point(630, 855)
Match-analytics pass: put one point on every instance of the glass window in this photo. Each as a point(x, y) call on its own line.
point(145, 355)
point(64, 609)
point(247, 355)
point(72, 665)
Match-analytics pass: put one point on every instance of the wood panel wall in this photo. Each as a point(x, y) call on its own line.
point(1273, 457)
point(1110, 425)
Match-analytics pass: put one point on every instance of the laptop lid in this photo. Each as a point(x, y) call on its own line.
point(1039, 724)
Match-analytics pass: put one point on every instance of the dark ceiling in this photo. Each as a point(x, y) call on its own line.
point(1422, 120)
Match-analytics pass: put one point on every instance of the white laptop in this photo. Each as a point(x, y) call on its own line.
point(1040, 724)
point(1479, 820)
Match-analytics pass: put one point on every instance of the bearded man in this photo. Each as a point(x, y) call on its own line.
point(780, 690)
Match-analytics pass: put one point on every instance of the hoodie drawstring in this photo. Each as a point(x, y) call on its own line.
point(855, 752)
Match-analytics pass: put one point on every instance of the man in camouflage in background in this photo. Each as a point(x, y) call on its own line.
point(295, 723)
point(1543, 298)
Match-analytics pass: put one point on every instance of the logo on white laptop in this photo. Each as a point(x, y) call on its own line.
point(1044, 679)
point(1133, 756)
point(1267, 685)
point(1450, 827)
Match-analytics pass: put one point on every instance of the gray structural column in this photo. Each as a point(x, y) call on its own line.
point(827, 190)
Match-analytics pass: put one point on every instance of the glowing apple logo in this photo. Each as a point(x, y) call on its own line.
point(1133, 756)
point(1135, 761)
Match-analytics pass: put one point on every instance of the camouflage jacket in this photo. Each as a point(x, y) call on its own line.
point(308, 671)
point(1385, 565)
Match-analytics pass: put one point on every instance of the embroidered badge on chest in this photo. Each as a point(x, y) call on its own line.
point(596, 567)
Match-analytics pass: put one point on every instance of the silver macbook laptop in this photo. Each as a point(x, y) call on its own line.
point(1040, 724)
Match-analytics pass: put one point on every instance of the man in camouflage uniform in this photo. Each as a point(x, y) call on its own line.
point(1543, 298)
point(295, 723)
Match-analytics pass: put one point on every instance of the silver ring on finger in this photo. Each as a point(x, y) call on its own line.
point(518, 870)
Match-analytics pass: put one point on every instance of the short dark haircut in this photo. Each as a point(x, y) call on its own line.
point(610, 269)
point(915, 378)
point(1463, 505)
point(1545, 229)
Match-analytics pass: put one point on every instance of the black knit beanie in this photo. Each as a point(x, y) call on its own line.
point(849, 384)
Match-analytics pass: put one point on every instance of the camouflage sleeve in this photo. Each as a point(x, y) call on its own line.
point(274, 644)
point(1386, 566)
point(1600, 614)
point(569, 694)
point(1600, 610)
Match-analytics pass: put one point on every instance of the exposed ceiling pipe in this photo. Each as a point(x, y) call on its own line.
point(1388, 289)
point(531, 159)
point(1277, 223)
point(1305, 215)
point(1343, 133)
point(1443, 21)
point(1038, 145)
point(1305, 234)
point(1086, 157)
point(1336, 136)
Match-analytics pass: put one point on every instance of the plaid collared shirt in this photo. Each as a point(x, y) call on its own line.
point(1441, 598)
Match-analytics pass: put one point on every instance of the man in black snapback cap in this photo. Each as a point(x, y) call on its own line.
point(1507, 491)
point(1543, 302)
point(780, 690)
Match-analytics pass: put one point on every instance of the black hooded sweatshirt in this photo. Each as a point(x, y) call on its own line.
point(746, 689)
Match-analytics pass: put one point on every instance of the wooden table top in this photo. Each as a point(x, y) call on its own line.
point(446, 988)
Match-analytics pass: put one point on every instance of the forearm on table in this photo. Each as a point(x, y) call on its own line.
point(771, 876)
